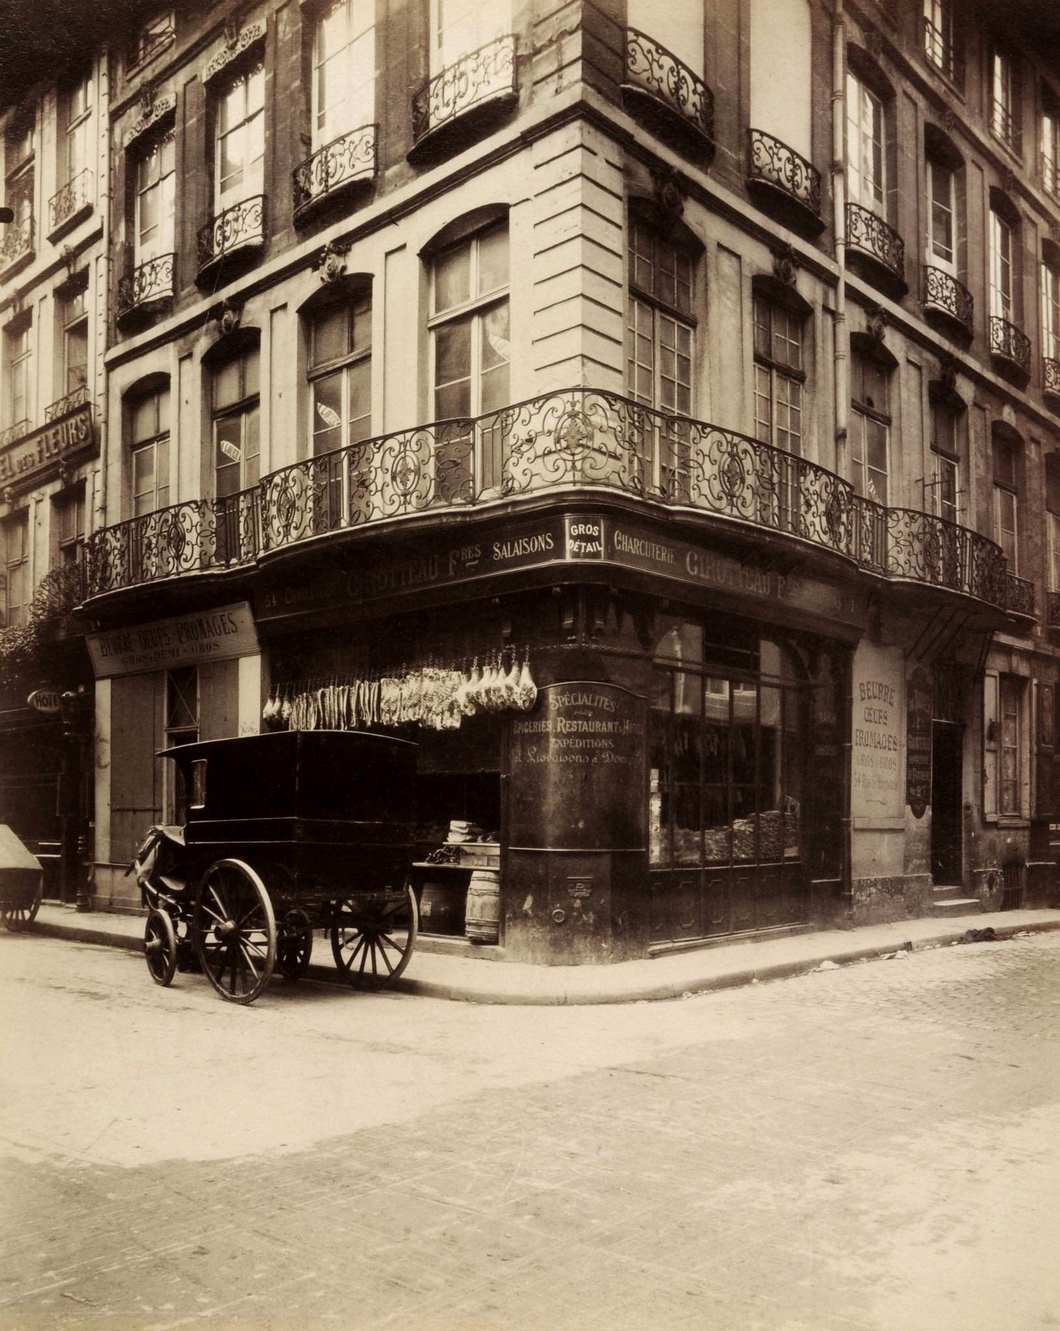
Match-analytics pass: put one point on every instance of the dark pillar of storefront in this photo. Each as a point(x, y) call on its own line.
point(577, 847)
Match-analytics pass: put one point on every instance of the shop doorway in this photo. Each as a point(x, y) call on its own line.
point(947, 745)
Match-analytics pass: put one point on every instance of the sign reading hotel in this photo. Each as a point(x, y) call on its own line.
point(212, 635)
point(44, 449)
point(876, 735)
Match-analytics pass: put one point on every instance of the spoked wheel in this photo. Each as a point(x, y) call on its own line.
point(295, 945)
point(160, 947)
point(235, 930)
point(20, 915)
point(373, 936)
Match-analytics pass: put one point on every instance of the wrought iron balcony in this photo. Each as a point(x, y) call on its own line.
point(1019, 596)
point(943, 53)
point(17, 242)
point(670, 94)
point(1050, 175)
point(345, 161)
point(944, 295)
point(483, 77)
point(1005, 125)
point(577, 439)
point(75, 198)
point(1053, 610)
point(78, 398)
point(774, 163)
point(148, 282)
point(1051, 376)
point(1010, 344)
point(14, 431)
point(236, 229)
point(870, 235)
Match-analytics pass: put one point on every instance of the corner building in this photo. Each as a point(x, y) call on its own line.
point(581, 337)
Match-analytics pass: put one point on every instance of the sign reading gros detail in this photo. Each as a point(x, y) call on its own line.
point(876, 734)
point(210, 635)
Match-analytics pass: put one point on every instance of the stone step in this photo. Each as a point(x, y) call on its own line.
point(943, 891)
point(957, 906)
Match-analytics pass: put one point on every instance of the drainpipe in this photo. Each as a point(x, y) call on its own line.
point(839, 230)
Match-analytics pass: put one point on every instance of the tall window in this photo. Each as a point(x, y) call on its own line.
point(942, 238)
point(1051, 151)
point(939, 37)
point(68, 517)
point(1011, 719)
point(73, 330)
point(340, 374)
point(155, 200)
point(779, 375)
point(870, 428)
point(1001, 264)
point(18, 372)
point(343, 69)
point(75, 122)
point(1050, 312)
point(459, 27)
point(944, 452)
point(239, 150)
point(235, 423)
point(1004, 104)
point(1006, 501)
point(15, 532)
point(865, 146)
point(18, 170)
point(182, 727)
point(471, 352)
point(148, 424)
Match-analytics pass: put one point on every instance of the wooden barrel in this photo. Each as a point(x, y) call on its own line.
point(483, 912)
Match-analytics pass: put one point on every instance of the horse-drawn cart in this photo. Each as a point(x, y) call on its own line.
point(286, 833)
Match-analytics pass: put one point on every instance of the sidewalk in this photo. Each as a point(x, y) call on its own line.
point(720, 966)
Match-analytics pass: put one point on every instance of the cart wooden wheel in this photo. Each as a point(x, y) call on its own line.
point(373, 935)
point(20, 915)
point(160, 947)
point(295, 944)
point(234, 930)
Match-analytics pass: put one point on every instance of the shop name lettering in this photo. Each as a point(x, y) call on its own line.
point(47, 445)
point(876, 747)
point(583, 738)
point(171, 637)
point(700, 565)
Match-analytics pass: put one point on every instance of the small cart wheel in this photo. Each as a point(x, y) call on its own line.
point(295, 945)
point(373, 935)
point(160, 947)
point(234, 930)
point(20, 915)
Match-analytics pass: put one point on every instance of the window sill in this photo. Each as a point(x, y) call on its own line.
point(1008, 822)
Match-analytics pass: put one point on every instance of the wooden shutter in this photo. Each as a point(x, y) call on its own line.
point(991, 743)
point(1045, 733)
point(135, 778)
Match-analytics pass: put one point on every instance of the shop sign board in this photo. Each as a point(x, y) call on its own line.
point(567, 539)
point(577, 769)
point(44, 449)
point(919, 709)
point(876, 733)
point(211, 635)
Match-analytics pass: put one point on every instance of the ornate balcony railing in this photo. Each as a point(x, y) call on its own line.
point(943, 294)
point(580, 438)
point(1005, 125)
point(344, 160)
point(240, 227)
point(149, 281)
point(479, 77)
point(74, 197)
point(1019, 595)
point(871, 235)
point(1010, 343)
point(1051, 376)
point(1053, 610)
point(776, 164)
point(66, 404)
point(17, 241)
point(14, 431)
point(943, 52)
point(652, 69)
point(1050, 174)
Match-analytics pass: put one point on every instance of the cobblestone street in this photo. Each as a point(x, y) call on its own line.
point(871, 1147)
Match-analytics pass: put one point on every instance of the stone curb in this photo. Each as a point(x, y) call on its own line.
point(559, 995)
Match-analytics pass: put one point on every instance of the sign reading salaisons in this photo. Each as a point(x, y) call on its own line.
point(209, 635)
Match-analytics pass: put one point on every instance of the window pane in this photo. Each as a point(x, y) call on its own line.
point(144, 422)
point(496, 347)
point(454, 400)
point(452, 277)
point(360, 408)
point(493, 260)
point(330, 332)
point(327, 412)
point(226, 384)
point(452, 344)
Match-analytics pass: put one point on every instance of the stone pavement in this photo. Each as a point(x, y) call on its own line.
point(721, 965)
